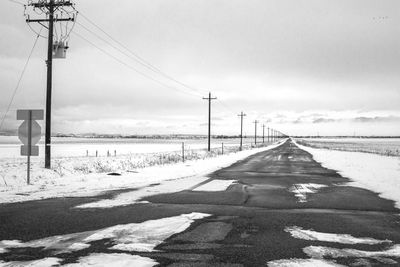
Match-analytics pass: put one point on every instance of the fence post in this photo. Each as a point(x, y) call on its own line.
point(183, 151)
point(115, 153)
point(87, 153)
point(222, 148)
point(96, 153)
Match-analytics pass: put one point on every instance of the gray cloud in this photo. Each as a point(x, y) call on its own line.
point(324, 120)
point(377, 119)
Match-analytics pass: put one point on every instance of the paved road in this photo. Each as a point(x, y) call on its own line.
point(283, 206)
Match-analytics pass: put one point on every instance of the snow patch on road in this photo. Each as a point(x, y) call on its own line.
point(300, 233)
point(114, 259)
point(147, 235)
point(133, 197)
point(321, 252)
point(302, 263)
point(46, 262)
point(373, 172)
point(215, 185)
point(143, 237)
point(301, 190)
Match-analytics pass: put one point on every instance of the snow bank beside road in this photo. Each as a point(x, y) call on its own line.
point(377, 173)
point(48, 186)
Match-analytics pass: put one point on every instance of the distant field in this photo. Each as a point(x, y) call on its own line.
point(78, 147)
point(381, 146)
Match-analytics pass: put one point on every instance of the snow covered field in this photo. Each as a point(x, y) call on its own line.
point(374, 172)
point(71, 181)
point(79, 147)
point(381, 146)
point(69, 156)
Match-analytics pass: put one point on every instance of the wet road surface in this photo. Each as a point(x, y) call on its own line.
point(284, 206)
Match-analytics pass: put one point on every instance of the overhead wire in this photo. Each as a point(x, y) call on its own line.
point(17, 2)
point(19, 80)
point(131, 67)
point(134, 56)
point(141, 60)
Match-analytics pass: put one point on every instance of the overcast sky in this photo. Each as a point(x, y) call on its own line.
point(300, 66)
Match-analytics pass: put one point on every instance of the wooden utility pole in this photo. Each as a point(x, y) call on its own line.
point(263, 126)
point(47, 138)
point(241, 115)
point(209, 98)
point(49, 7)
point(183, 151)
point(272, 136)
point(255, 131)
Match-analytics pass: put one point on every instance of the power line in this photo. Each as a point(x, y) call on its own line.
point(226, 107)
point(132, 68)
point(134, 56)
point(140, 60)
point(20, 79)
point(17, 2)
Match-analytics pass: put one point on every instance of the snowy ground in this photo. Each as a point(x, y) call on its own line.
point(377, 173)
point(79, 147)
point(381, 146)
point(169, 178)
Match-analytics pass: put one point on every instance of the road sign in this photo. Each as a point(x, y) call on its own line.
point(34, 151)
point(29, 134)
point(23, 114)
point(23, 132)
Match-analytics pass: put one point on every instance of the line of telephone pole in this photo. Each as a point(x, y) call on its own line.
point(272, 135)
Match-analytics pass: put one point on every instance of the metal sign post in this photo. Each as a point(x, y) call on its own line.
point(183, 151)
point(29, 134)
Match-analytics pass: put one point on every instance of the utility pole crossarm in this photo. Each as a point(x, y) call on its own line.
point(47, 20)
point(209, 98)
point(47, 4)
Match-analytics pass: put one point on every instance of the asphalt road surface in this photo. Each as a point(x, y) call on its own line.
point(283, 206)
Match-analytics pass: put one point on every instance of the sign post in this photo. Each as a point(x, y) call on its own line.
point(29, 134)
